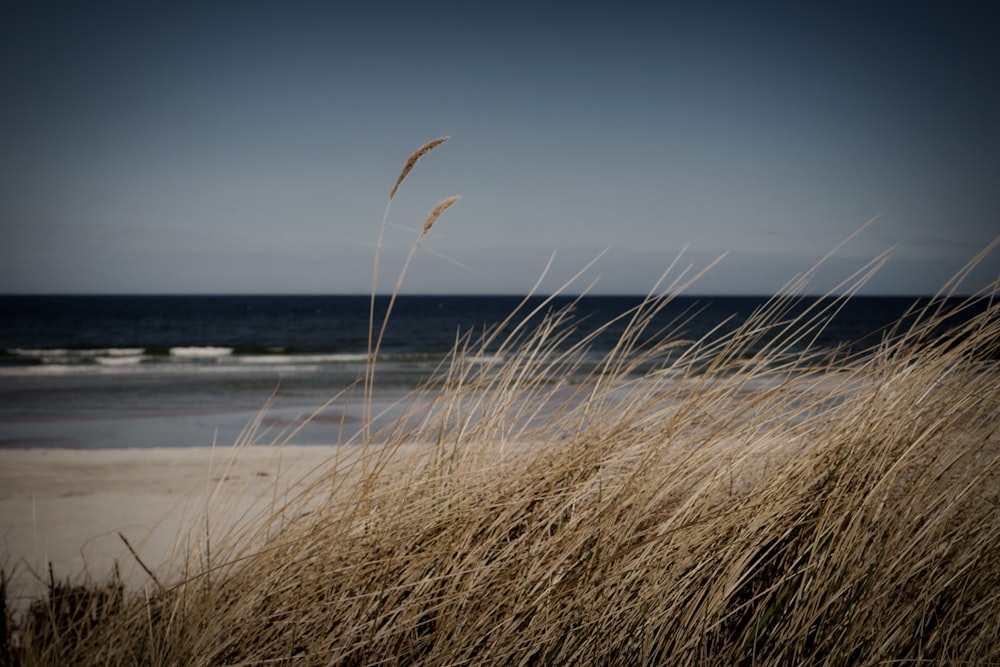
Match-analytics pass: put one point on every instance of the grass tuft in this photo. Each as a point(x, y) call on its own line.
point(740, 499)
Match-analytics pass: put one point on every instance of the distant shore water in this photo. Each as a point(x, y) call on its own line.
point(95, 372)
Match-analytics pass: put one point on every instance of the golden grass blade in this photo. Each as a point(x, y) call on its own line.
point(412, 160)
point(436, 212)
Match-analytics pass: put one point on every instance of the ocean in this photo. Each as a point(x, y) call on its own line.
point(167, 371)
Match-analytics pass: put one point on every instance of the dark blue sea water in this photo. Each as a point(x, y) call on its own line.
point(142, 371)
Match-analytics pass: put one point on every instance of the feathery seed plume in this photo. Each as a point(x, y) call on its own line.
point(436, 213)
point(417, 154)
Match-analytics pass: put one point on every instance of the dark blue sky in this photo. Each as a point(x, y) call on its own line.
point(250, 146)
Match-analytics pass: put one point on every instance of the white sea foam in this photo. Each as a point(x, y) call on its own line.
point(204, 352)
point(47, 369)
point(123, 351)
point(486, 360)
point(134, 366)
point(40, 354)
point(267, 359)
point(121, 360)
point(347, 357)
point(59, 353)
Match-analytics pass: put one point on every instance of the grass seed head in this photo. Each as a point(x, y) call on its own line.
point(412, 160)
point(436, 213)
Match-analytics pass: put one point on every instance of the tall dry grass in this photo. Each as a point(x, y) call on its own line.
point(745, 499)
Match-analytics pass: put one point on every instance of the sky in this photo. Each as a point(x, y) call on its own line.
point(249, 147)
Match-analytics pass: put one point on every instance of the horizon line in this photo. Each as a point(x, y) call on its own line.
point(521, 295)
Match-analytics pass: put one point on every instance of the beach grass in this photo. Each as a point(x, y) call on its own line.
point(741, 499)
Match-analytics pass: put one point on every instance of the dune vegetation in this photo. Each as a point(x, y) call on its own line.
point(742, 499)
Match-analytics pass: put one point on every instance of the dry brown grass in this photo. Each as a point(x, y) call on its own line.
point(712, 502)
point(412, 162)
point(436, 212)
point(375, 343)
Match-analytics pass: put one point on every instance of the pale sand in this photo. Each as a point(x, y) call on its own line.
point(67, 507)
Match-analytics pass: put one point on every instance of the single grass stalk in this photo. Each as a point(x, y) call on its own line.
point(372, 351)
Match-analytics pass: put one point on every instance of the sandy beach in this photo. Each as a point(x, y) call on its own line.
point(67, 507)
